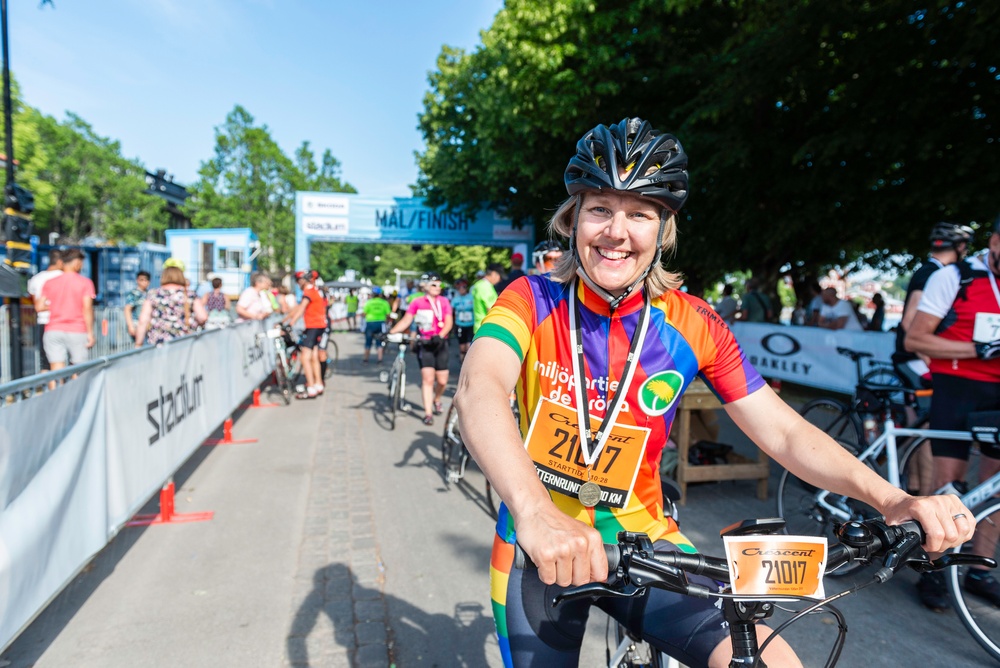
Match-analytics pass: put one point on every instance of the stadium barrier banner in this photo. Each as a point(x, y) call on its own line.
point(808, 355)
point(52, 495)
point(77, 462)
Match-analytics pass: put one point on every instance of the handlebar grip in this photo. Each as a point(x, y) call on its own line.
point(613, 553)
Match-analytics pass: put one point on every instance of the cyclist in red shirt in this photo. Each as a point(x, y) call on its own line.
point(312, 309)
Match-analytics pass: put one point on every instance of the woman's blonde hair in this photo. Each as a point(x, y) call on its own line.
point(172, 276)
point(657, 281)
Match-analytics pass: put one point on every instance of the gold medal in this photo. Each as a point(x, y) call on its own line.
point(589, 494)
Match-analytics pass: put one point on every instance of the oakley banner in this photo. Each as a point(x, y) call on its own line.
point(808, 355)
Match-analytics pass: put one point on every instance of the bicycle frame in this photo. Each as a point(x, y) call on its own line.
point(887, 442)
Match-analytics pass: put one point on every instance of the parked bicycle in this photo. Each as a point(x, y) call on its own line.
point(286, 360)
point(809, 510)
point(634, 567)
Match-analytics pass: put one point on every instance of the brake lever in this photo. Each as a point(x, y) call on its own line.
point(955, 559)
point(597, 589)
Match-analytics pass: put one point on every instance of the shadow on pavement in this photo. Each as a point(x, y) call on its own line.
point(458, 640)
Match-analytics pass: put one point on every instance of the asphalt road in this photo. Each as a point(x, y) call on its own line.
point(337, 542)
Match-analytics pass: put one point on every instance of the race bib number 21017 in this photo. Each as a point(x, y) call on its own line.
point(554, 444)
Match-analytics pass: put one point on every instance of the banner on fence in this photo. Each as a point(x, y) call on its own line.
point(52, 490)
point(808, 355)
point(76, 463)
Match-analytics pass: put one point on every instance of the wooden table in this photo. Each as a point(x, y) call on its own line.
point(699, 397)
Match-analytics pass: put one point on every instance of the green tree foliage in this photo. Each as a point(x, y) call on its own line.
point(452, 262)
point(82, 184)
point(820, 133)
point(250, 182)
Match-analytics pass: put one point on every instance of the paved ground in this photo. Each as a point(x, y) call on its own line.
point(336, 542)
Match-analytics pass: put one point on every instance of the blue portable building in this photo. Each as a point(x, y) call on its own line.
point(226, 253)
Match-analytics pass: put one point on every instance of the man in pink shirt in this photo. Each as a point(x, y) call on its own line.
point(69, 299)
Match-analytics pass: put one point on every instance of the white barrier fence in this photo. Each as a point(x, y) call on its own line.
point(808, 355)
point(77, 462)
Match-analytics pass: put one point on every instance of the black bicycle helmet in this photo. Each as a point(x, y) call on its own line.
point(948, 235)
point(632, 157)
point(430, 276)
point(542, 249)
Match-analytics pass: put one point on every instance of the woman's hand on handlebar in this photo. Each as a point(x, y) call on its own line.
point(566, 551)
point(946, 521)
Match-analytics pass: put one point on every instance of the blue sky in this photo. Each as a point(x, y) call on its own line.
point(160, 75)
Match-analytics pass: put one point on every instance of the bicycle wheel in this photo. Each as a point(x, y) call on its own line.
point(332, 356)
point(635, 653)
point(393, 382)
point(836, 419)
point(281, 380)
point(916, 467)
point(799, 504)
point(492, 500)
point(451, 439)
point(980, 617)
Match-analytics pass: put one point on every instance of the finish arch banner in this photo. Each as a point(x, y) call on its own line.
point(342, 217)
point(808, 355)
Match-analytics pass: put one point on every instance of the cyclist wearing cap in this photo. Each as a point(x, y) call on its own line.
point(949, 244)
point(608, 339)
point(312, 309)
point(544, 257)
point(431, 313)
point(957, 326)
point(461, 304)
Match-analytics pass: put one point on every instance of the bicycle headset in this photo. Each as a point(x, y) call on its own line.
point(654, 165)
point(949, 235)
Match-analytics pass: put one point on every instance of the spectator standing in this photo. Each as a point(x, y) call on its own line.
point(351, 300)
point(516, 271)
point(133, 301)
point(756, 306)
point(432, 316)
point(728, 307)
point(464, 317)
point(376, 311)
point(286, 299)
point(815, 304)
point(35, 284)
point(878, 315)
point(254, 303)
point(312, 309)
point(837, 313)
point(949, 244)
point(216, 303)
point(484, 293)
point(69, 299)
point(168, 312)
point(955, 327)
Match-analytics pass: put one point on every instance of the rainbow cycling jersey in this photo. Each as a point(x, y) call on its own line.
point(685, 339)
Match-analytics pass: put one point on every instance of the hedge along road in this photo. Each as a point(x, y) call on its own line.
point(336, 542)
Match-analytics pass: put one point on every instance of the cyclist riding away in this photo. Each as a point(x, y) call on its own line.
point(462, 305)
point(544, 257)
point(949, 244)
point(312, 309)
point(431, 312)
point(608, 341)
point(376, 311)
point(957, 325)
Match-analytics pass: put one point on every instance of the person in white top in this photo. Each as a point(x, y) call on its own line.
point(837, 313)
point(253, 304)
point(35, 284)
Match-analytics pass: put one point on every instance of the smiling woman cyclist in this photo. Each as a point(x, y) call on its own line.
point(608, 340)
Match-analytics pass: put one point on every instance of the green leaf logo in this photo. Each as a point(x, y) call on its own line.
point(660, 391)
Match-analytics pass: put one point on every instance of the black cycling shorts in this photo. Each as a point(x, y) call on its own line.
point(954, 398)
point(464, 334)
point(311, 337)
point(433, 355)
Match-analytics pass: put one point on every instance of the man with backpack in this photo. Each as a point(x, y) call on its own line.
point(957, 326)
